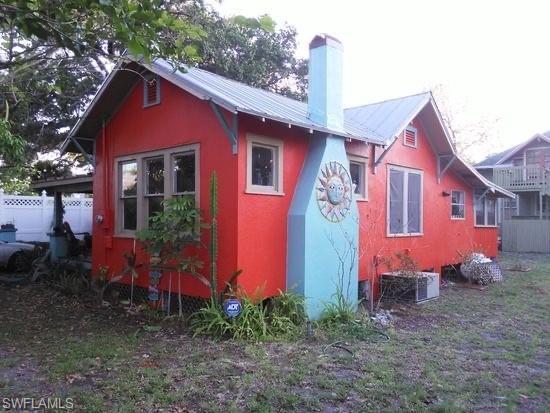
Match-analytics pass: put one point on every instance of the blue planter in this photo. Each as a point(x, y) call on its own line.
point(58, 246)
point(7, 235)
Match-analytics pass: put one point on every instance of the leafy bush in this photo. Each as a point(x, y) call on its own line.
point(280, 317)
point(290, 305)
point(338, 311)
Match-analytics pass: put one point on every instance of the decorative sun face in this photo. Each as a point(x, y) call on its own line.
point(334, 191)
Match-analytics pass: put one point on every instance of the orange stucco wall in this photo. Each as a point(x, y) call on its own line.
point(253, 228)
point(179, 119)
point(443, 239)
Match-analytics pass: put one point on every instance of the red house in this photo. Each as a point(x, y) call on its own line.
point(296, 180)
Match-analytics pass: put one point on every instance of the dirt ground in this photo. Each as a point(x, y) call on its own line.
point(469, 350)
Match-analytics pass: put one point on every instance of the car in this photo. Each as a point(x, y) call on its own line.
point(16, 256)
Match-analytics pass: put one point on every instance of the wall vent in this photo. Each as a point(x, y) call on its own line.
point(410, 137)
point(151, 90)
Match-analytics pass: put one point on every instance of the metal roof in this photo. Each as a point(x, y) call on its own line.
point(499, 158)
point(379, 123)
point(492, 160)
point(239, 97)
point(383, 121)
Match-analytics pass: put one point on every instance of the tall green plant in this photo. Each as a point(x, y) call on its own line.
point(213, 248)
point(170, 232)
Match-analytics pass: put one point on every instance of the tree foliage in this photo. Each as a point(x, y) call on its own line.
point(54, 54)
point(146, 27)
point(473, 134)
point(253, 51)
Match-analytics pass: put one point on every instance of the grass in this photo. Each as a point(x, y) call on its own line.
point(469, 350)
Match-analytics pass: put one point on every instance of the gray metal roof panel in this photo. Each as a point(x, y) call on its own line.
point(237, 96)
point(491, 160)
point(386, 119)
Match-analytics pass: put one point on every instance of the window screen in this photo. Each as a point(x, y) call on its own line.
point(479, 206)
point(263, 165)
point(457, 204)
point(128, 174)
point(397, 184)
point(413, 210)
point(405, 201)
point(154, 185)
point(357, 171)
point(184, 173)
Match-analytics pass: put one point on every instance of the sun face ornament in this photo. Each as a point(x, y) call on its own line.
point(334, 191)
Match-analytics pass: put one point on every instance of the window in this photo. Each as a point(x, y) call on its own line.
point(264, 166)
point(154, 185)
point(410, 136)
point(532, 156)
point(358, 173)
point(457, 204)
point(144, 181)
point(485, 210)
point(128, 194)
point(404, 201)
point(151, 90)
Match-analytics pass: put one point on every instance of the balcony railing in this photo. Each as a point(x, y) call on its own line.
point(522, 178)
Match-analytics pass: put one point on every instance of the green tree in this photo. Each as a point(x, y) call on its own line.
point(54, 55)
point(253, 51)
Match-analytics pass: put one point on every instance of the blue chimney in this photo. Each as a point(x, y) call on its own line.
point(325, 82)
point(323, 221)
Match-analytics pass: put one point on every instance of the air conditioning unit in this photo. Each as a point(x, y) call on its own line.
point(423, 286)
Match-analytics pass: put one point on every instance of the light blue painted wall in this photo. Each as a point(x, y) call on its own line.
point(313, 267)
point(325, 88)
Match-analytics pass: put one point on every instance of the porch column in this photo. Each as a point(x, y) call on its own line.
point(58, 209)
point(540, 205)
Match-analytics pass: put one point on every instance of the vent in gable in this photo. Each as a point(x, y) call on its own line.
point(151, 90)
point(410, 136)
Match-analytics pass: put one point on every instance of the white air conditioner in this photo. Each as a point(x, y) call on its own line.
point(423, 286)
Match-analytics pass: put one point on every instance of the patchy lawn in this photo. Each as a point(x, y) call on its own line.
point(470, 350)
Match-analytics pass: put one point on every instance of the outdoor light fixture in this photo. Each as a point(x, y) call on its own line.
point(445, 193)
point(99, 218)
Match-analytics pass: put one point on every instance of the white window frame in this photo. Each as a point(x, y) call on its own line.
point(364, 185)
point(405, 204)
point(456, 218)
point(271, 143)
point(147, 78)
point(169, 184)
point(412, 129)
point(486, 210)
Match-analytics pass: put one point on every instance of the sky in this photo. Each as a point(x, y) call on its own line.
point(490, 58)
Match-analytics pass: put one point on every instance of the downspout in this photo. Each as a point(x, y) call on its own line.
point(106, 196)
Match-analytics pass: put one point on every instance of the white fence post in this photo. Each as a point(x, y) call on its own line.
point(2, 218)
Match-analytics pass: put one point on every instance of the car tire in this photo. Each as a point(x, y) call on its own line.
point(19, 262)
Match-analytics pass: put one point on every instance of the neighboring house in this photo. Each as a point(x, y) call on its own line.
point(311, 196)
point(524, 170)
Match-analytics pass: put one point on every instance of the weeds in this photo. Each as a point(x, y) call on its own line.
point(280, 317)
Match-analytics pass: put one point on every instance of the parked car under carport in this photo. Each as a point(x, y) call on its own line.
point(16, 256)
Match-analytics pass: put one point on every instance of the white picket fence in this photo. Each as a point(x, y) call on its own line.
point(33, 215)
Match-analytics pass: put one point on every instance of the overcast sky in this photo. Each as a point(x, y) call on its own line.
point(491, 57)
